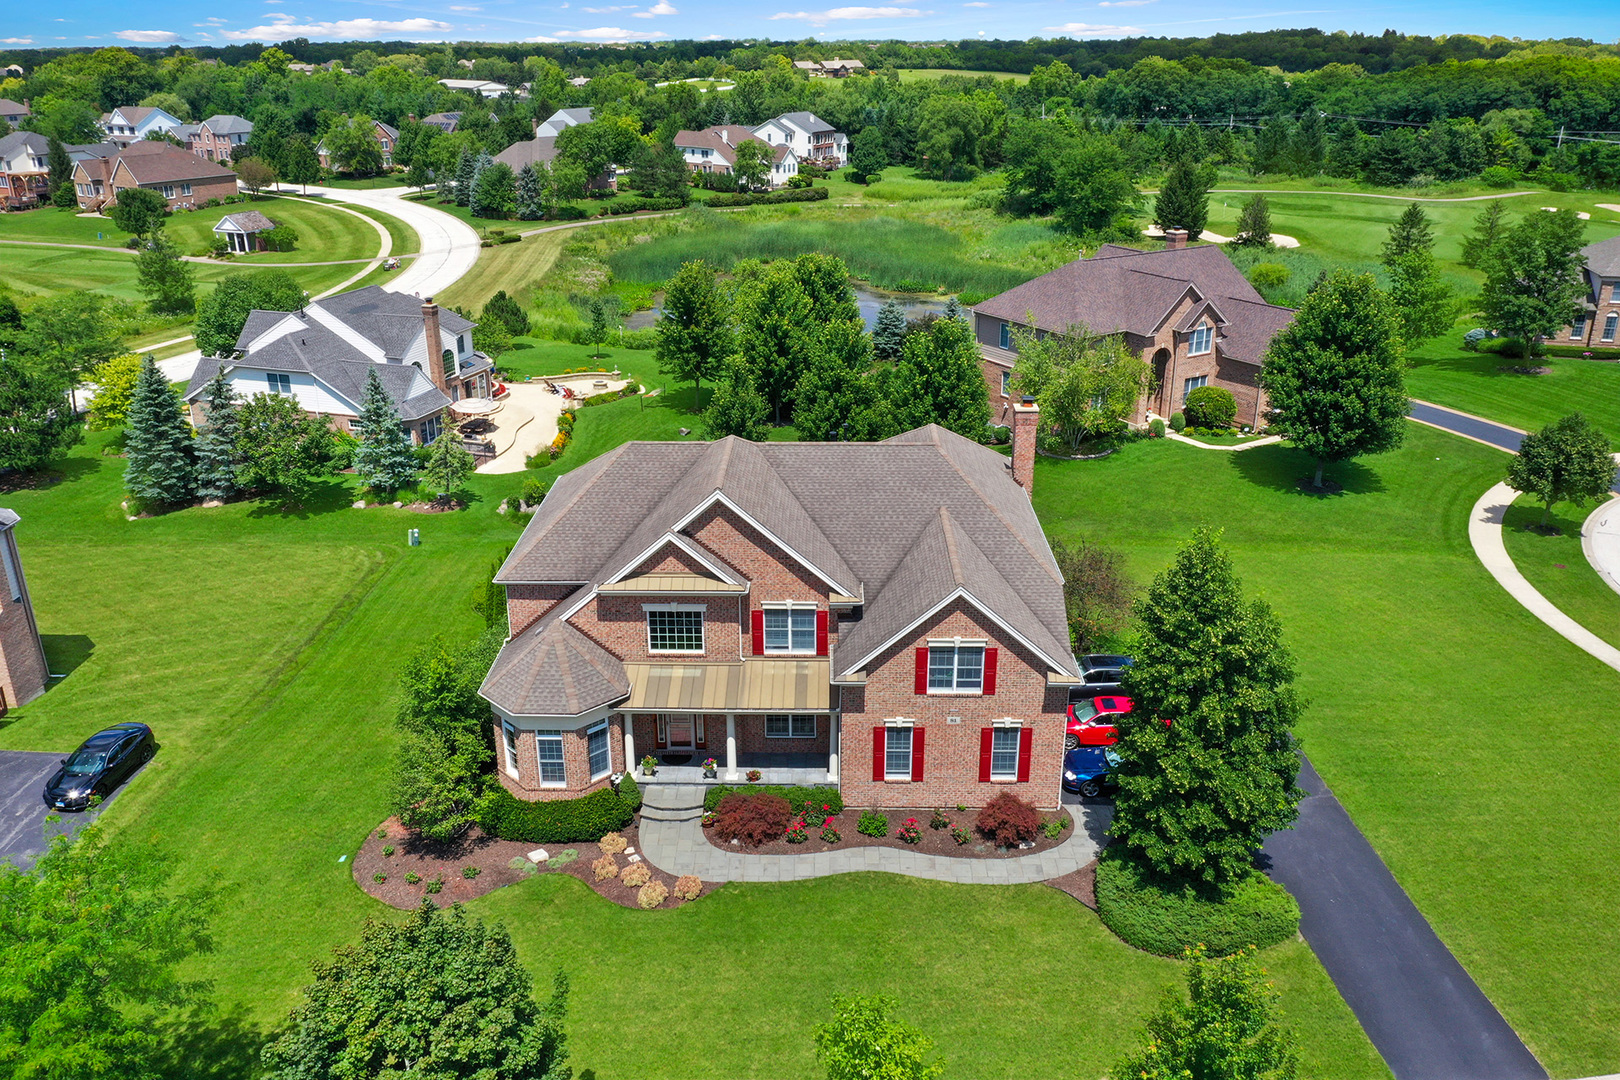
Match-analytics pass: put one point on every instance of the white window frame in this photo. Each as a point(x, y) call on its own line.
point(168, 191)
point(1577, 329)
point(540, 762)
point(280, 384)
point(793, 730)
point(1203, 339)
point(911, 748)
point(1609, 322)
point(700, 609)
point(185, 189)
point(998, 727)
point(431, 427)
point(1006, 383)
point(1614, 293)
point(509, 745)
point(599, 728)
point(790, 607)
point(956, 645)
point(1006, 335)
point(1196, 382)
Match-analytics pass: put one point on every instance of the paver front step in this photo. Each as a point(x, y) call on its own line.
point(661, 813)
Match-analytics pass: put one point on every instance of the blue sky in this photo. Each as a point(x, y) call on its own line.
point(197, 22)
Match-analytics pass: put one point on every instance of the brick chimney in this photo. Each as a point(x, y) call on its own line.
point(1026, 418)
point(1175, 239)
point(434, 345)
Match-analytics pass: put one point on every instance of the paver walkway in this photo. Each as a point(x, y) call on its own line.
point(1420, 1008)
point(672, 839)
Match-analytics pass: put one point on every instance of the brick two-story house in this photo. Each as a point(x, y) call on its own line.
point(22, 660)
point(219, 137)
point(887, 614)
point(1187, 311)
point(184, 179)
point(1599, 321)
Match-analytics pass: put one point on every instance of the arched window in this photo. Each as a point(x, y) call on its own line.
point(1203, 337)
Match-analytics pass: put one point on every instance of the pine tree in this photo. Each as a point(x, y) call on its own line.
point(448, 464)
point(216, 441)
point(1254, 223)
point(162, 468)
point(889, 333)
point(953, 308)
point(164, 278)
point(464, 178)
point(530, 194)
point(1307, 147)
point(384, 459)
point(1183, 202)
point(1412, 232)
point(60, 163)
point(1271, 146)
point(505, 310)
point(1489, 228)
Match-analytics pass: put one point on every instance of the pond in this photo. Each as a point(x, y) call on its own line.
point(867, 298)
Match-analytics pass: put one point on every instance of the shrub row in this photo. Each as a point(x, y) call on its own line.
point(1165, 918)
point(632, 205)
point(1578, 352)
point(787, 195)
point(562, 821)
point(630, 390)
point(799, 798)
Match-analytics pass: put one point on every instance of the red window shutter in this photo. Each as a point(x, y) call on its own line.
point(917, 752)
point(987, 742)
point(759, 632)
point(922, 672)
point(879, 745)
point(1026, 741)
point(821, 633)
point(990, 656)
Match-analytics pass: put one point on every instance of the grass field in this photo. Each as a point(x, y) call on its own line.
point(263, 645)
point(1485, 384)
point(44, 271)
point(1409, 656)
point(517, 268)
point(930, 74)
point(1557, 566)
point(368, 183)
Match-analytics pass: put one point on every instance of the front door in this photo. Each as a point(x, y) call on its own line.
point(680, 733)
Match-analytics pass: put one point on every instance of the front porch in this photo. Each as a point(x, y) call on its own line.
point(808, 769)
point(681, 742)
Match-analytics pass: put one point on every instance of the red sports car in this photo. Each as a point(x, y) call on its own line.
point(1091, 722)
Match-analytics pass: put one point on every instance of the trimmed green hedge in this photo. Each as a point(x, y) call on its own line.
point(634, 204)
point(786, 195)
point(1165, 919)
point(630, 792)
point(1577, 352)
point(798, 797)
point(561, 821)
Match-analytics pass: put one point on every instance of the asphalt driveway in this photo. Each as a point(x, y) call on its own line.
point(24, 832)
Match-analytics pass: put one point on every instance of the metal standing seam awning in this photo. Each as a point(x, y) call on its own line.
point(748, 686)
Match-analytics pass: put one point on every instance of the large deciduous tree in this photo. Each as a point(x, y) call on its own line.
point(1198, 795)
point(162, 465)
point(303, 164)
point(165, 278)
point(1094, 187)
point(753, 164)
point(36, 422)
point(1335, 378)
point(1097, 593)
point(139, 211)
point(736, 407)
point(440, 995)
point(281, 448)
point(446, 745)
point(1085, 385)
point(384, 459)
point(694, 332)
point(115, 388)
point(940, 381)
point(72, 335)
point(222, 313)
point(256, 173)
point(1534, 280)
point(1566, 461)
point(865, 1041)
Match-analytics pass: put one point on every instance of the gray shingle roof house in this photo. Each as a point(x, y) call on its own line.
point(1186, 310)
point(1599, 322)
point(323, 354)
point(664, 590)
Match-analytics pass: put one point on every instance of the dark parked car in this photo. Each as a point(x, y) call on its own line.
point(103, 762)
point(1089, 769)
point(1102, 672)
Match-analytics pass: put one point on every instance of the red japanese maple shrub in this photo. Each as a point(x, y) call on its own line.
point(1009, 820)
point(753, 819)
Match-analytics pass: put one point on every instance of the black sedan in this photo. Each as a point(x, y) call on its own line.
point(105, 760)
point(1102, 673)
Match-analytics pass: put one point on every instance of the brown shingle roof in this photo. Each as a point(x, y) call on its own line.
point(531, 152)
point(152, 162)
point(551, 669)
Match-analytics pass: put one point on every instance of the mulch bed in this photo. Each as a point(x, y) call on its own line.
point(934, 841)
point(499, 862)
point(1080, 884)
point(442, 505)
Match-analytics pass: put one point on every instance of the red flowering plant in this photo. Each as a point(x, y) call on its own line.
point(829, 834)
point(909, 831)
point(797, 833)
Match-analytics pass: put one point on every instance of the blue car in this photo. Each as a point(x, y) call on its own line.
point(1089, 769)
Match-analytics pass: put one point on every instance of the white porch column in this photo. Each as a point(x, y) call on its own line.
point(629, 742)
point(731, 746)
point(832, 747)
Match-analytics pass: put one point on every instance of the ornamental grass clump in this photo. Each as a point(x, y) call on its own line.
point(636, 875)
point(605, 867)
point(612, 843)
point(1009, 820)
point(752, 819)
point(688, 887)
point(652, 894)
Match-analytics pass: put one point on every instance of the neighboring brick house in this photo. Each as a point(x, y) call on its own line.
point(321, 356)
point(184, 179)
point(714, 150)
point(810, 137)
point(386, 135)
point(887, 614)
point(129, 124)
point(25, 172)
point(23, 673)
point(1599, 321)
point(1187, 311)
point(218, 137)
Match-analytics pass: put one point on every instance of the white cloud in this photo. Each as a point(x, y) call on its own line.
point(819, 18)
point(16, 41)
point(612, 34)
point(1080, 29)
point(711, 37)
point(151, 37)
point(282, 27)
point(663, 7)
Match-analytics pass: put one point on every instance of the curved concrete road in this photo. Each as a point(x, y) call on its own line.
point(1600, 541)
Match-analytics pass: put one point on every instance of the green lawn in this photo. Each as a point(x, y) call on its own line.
point(263, 646)
point(1485, 384)
point(1557, 566)
point(1411, 658)
point(932, 74)
point(513, 267)
point(367, 183)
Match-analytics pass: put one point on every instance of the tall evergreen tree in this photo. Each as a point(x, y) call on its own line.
point(889, 333)
point(1200, 794)
point(1271, 146)
point(953, 308)
point(165, 278)
point(1254, 223)
point(1489, 228)
point(465, 167)
point(1346, 150)
point(449, 464)
point(505, 310)
point(1183, 202)
point(303, 164)
point(384, 459)
point(162, 466)
point(216, 441)
point(531, 193)
point(1411, 232)
point(60, 163)
point(1307, 146)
